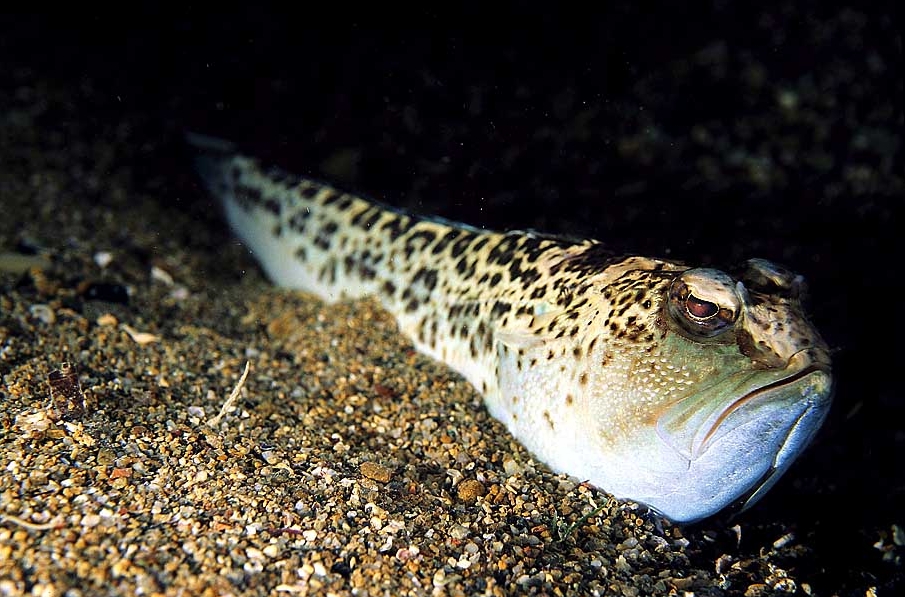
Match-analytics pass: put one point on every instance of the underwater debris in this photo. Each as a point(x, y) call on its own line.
point(140, 337)
point(66, 391)
point(233, 396)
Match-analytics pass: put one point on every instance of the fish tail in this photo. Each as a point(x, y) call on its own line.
point(292, 225)
point(211, 156)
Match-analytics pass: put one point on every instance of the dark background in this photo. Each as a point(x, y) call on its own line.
point(704, 132)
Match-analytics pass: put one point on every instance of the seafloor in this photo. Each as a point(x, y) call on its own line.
point(351, 465)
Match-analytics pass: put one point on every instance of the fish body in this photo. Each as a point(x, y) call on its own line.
point(686, 389)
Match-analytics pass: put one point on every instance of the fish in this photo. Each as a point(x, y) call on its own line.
point(686, 389)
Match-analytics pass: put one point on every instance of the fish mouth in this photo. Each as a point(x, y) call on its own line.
point(799, 435)
point(760, 432)
point(765, 393)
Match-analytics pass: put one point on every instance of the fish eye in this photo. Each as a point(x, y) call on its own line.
point(704, 302)
point(767, 277)
point(699, 308)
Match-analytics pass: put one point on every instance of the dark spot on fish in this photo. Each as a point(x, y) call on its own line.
point(344, 203)
point(273, 206)
point(480, 244)
point(330, 196)
point(298, 219)
point(500, 308)
point(460, 245)
point(397, 225)
point(366, 218)
point(448, 237)
point(549, 419)
point(307, 190)
point(503, 251)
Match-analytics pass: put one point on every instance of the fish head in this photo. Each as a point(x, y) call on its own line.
point(705, 387)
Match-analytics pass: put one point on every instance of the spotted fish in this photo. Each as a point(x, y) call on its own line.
point(684, 388)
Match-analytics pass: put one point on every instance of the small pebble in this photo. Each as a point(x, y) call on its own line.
point(140, 337)
point(103, 258)
point(511, 466)
point(161, 275)
point(375, 471)
point(91, 520)
point(107, 320)
point(43, 313)
point(470, 490)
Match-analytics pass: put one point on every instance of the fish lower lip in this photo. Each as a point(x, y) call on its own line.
point(692, 427)
point(751, 397)
point(734, 451)
point(799, 435)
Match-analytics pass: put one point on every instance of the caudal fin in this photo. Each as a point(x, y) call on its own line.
point(212, 157)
